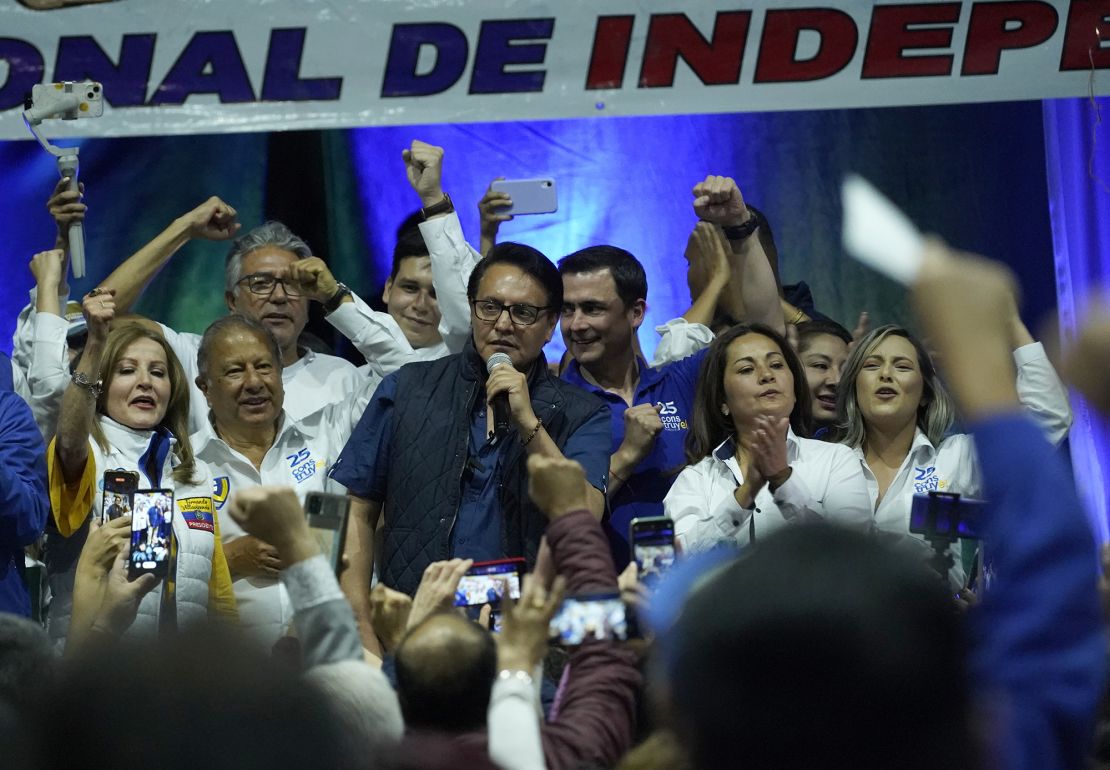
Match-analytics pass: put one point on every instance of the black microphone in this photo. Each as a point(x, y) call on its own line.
point(502, 423)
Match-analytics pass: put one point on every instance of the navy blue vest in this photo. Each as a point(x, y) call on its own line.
point(428, 453)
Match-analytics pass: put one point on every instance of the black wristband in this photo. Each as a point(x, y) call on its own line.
point(336, 299)
point(744, 231)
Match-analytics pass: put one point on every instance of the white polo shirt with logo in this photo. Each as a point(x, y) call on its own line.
point(301, 456)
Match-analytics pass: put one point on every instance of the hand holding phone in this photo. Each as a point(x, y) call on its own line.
point(151, 533)
point(528, 196)
point(596, 617)
point(485, 582)
point(653, 546)
point(118, 488)
point(525, 624)
point(438, 588)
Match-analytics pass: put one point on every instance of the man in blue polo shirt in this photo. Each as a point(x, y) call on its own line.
point(604, 300)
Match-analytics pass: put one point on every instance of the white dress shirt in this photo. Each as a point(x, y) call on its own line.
point(378, 337)
point(301, 456)
point(826, 482)
point(678, 338)
point(954, 466)
point(40, 362)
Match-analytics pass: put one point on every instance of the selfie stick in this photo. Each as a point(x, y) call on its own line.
point(64, 107)
point(942, 560)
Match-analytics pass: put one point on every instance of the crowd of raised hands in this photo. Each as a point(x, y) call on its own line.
point(780, 454)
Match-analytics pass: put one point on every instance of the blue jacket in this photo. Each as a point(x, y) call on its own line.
point(24, 506)
point(7, 379)
point(1037, 647)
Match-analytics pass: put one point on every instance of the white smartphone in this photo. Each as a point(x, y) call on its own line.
point(67, 100)
point(529, 196)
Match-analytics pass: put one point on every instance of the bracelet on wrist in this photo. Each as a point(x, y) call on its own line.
point(532, 435)
point(743, 231)
point(94, 388)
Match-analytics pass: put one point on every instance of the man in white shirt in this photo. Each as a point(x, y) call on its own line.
point(248, 439)
point(256, 286)
point(428, 315)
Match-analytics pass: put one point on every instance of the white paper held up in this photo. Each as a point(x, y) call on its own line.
point(878, 234)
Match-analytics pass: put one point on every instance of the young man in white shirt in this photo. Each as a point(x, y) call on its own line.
point(428, 316)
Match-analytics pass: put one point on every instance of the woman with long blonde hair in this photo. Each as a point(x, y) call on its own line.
point(127, 408)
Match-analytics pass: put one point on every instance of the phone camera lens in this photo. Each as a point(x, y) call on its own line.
point(91, 95)
point(96, 89)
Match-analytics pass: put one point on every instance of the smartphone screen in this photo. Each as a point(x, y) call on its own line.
point(327, 519)
point(652, 546)
point(585, 618)
point(115, 501)
point(484, 582)
point(946, 515)
point(151, 532)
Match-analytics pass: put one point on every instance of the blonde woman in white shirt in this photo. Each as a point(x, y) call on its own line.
point(896, 416)
point(751, 469)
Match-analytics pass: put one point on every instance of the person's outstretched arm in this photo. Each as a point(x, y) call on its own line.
point(324, 620)
point(1037, 645)
point(212, 220)
point(597, 713)
point(753, 291)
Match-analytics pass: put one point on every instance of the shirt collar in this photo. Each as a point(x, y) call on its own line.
point(921, 446)
point(308, 355)
point(646, 376)
point(207, 435)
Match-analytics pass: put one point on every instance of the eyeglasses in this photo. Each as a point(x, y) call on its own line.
point(519, 314)
point(264, 284)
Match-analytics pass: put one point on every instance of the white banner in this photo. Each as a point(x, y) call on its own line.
point(196, 66)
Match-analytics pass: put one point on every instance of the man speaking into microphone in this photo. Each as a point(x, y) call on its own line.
point(441, 450)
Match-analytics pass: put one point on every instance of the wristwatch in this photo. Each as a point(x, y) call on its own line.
point(336, 299)
point(744, 231)
point(445, 206)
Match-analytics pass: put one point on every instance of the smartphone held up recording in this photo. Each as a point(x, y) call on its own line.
point(485, 582)
point(528, 196)
point(653, 548)
point(327, 518)
point(151, 533)
point(116, 499)
point(595, 617)
point(945, 515)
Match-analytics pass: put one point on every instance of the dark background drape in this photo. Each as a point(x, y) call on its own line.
point(973, 173)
